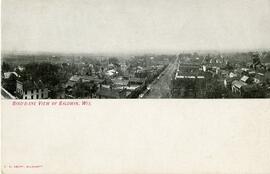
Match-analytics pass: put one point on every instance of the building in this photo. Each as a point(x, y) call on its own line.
point(82, 86)
point(31, 90)
point(189, 81)
point(8, 75)
point(136, 81)
point(73, 80)
point(119, 82)
point(237, 87)
point(228, 81)
point(246, 79)
point(259, 78)
point(9, 81)
point(111, 73)
point(111, 93)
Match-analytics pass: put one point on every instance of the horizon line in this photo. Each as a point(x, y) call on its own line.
point(135, 52)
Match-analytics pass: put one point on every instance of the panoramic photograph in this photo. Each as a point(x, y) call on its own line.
point(134, 50)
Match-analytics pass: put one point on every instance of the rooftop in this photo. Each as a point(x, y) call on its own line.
point(109, 93)
point(245, 78)
point(136, 80)
point(238, 83)
point(75, 78)
point(8, 74)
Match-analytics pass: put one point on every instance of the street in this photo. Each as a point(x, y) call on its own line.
point(160, 88)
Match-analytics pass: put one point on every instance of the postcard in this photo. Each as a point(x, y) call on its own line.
point(135, 86)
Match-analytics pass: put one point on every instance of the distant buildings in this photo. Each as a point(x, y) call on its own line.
point(197, 76)
point(222, 79)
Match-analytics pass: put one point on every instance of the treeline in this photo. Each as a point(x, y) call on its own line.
point(46, 72)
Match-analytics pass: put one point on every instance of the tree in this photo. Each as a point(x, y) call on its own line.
point(10, 84)
point(6, 67)
point(114, 60)
point(46, 72)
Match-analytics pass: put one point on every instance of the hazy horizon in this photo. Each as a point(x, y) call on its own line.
point(134, 53)
point(134, 27)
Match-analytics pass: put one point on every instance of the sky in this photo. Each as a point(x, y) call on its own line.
point(93, 26)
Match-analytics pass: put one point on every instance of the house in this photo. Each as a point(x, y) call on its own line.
point(7, 75)
point(231, 75)
point(73, 80)
point(120, 82)
point(30, 89)
point(252, 73)
point(237, 86)
point(9, 81)
point(258, 78)
point(228, 82)
point(111, 72)
point(246, 79)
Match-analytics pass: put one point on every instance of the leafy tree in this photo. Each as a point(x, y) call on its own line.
point(10, 84)
point(6, 67)
point(114, 61)
point(46, 72)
